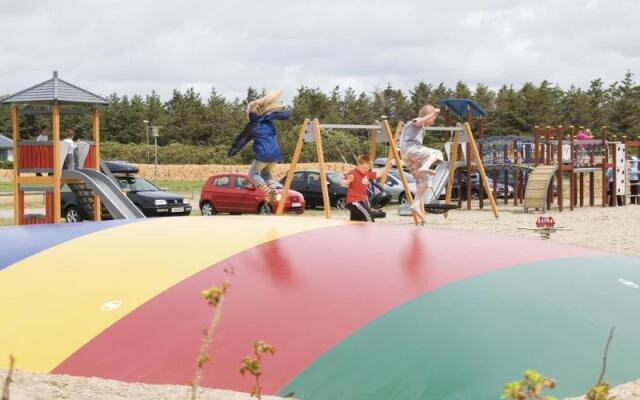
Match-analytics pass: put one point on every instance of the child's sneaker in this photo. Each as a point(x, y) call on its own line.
point(274, 194)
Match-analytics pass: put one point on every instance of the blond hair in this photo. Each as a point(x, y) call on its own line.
point(267, 104)
point(426, 110)
point(363, 159)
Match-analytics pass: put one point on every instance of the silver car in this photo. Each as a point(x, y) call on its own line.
point(393, 185)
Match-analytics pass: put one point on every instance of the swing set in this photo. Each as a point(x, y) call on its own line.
point(380, 132)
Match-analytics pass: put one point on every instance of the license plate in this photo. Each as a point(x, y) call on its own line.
point(177, 209)
point(296, 204)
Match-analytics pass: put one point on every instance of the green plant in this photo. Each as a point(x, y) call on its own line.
point(600, 391)
point(8, 379)
point(214, 297)
point(530, 388)
point(253, 365)
point(6, 164)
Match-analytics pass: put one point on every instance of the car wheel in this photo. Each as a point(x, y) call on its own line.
point(72, 215)
point(402, 199)
point(264, 209)
point(341, 203)
point(475, 195)
point(207, 209)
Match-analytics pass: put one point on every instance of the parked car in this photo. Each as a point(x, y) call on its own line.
point(393, 185)
point(308, 183)
point(501, 190)
point(152, 201)
point(236, 193)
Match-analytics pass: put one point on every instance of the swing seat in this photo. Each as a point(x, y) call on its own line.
point(380, 200)
point(431, 208)
point(438, 208)
point(378, 214)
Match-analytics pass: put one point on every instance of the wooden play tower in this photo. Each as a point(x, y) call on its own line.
point(37, 165)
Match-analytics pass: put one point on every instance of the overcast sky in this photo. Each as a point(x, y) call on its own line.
point(135, 46)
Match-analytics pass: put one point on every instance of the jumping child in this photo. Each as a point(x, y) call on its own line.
point(357, 181)
point(416, 157)
point(261, 113)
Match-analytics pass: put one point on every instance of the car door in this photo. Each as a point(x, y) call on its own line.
point(298, 182)
point(313, 187)
point(222, 193)
point(335, 189)
point(245, 200)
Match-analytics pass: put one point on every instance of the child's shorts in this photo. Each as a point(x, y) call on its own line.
point(415, 157)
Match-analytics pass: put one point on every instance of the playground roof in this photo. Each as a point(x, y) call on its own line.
point(460, 106)
point(5, 143)
point(55, 90)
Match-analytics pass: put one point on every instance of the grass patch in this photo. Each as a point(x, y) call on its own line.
point(6, 221)
point(181, 186)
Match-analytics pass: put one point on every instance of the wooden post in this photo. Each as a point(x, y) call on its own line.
point(614, 187)
point(573, 179)
point(581, 190)
point(481, 133)
point(468, 162)
point(480, 167)
point(560, 173)
point(323, 171)
point(292, 167)
point(373, 151)
point(97, 207)
point(15, 123)
point(57, 170)
point(516, 187)
point(536, 146)
point(394, 150)
point(605, 164)
point(389, 163)
point(453, 159)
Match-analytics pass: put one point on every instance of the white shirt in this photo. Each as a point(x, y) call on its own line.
point(71, 143)
point(633, 170)
point(42, 138)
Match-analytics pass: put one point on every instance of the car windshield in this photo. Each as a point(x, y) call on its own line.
point(335, 177)
point(396, 174)
point(136, 184)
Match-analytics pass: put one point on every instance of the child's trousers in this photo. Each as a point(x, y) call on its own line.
point(260, 172)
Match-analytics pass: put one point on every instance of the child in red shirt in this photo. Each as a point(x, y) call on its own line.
point(357, 180)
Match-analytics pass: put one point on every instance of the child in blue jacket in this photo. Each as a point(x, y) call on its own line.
point(261, 113)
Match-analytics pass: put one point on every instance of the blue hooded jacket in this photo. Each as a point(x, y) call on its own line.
point(265, 143)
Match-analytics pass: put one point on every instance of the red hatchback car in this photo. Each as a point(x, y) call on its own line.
point(235, 193)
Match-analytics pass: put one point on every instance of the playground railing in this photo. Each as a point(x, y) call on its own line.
point(35, 155)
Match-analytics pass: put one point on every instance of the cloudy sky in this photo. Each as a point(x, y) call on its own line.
point(135, 46)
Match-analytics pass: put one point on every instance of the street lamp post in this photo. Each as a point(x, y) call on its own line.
point(146, 123)
point(155, 132)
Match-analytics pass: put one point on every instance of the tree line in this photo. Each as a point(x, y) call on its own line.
point(212, 123)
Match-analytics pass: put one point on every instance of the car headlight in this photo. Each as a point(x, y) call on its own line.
point(185, 201)
point(160, 202)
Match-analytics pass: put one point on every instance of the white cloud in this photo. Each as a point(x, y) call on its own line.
point(136, 46)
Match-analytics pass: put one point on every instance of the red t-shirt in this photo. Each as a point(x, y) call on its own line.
point(358, 187)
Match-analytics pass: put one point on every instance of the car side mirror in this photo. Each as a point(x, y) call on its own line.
point(250, 187)
point(390, 183)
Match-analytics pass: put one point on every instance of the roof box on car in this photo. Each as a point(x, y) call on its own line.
point(121, 167)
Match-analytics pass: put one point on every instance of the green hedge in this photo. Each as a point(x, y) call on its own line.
point(171, 154)
point(6, 164)
point(336, 144)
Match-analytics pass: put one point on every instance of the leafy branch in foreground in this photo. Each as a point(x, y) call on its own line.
point(600, 391)
point(253, 365)
point(531, 387)
point(8, 379)
point(214, 297)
